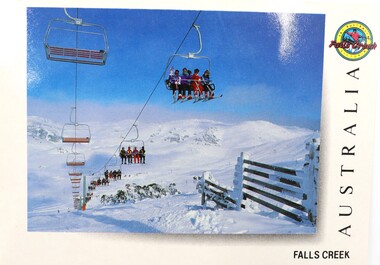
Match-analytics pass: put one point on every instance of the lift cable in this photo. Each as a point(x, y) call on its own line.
point(151, 94)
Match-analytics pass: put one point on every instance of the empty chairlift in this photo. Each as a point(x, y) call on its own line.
point(75, 174)
point(76, 41)
point(74, 132)
point(75, 180)
point(75, 159)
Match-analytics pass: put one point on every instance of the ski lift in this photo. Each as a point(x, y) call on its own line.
point(75, 174)
point(75, 180)
point(74, 132)
point(207, 86)
point(75, 41)
point(132, 143)
point(75, 159)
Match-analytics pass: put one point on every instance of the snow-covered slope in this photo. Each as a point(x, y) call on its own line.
point(176, 152)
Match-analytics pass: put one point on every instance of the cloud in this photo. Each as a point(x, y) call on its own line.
point(88, 111)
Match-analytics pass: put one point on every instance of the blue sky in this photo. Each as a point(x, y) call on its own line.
point(267, 66)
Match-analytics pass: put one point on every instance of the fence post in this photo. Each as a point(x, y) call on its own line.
point(202, 183)
point(237, 192)
point(310, 182)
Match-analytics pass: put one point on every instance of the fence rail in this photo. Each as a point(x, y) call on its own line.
point(290, 192)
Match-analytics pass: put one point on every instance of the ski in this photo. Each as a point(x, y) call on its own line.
point(180, 99)
point(186, 99)
point(197, 99)
point(211, 98)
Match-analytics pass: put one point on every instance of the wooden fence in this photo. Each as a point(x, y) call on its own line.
point(290, 192)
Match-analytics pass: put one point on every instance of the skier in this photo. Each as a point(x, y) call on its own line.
point(129, 155)
point(196, 84)
point(355, 35)
point(185, 83)
point(123, 156)
point(142, 155)
point(136, 157)
point(175, 82)
point(208, 87)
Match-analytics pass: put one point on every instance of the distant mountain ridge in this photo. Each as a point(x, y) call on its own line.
point(194, 131)
point(43, 129)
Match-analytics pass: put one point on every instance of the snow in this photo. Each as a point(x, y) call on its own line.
point(177, 151)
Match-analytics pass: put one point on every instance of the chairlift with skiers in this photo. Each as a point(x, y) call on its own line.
point(134, 154)
point(197, 83)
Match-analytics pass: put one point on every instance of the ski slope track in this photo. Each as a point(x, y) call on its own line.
point(177, 151)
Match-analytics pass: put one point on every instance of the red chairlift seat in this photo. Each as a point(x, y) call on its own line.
point(75, 55)
point(76, 140)
point(75, 174)
point(75, 180)
point(75, 159)
point(75, 163)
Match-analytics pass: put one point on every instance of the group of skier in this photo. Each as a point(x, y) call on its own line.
point(115, 174)
point(134, 156)
point(108, 175)
point(190, 83)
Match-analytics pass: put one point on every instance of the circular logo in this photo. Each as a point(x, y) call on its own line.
point(353, 41)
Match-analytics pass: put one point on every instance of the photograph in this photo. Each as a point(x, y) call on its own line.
point(173, 121)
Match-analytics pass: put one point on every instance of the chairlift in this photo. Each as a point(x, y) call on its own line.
point(132, 143)
point(209, 87)
point(74, 132)
point(75, 180)
point(75, 174)
point(75, 159)
point(72, 40)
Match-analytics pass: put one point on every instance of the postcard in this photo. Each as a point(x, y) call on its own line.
point(232, 131)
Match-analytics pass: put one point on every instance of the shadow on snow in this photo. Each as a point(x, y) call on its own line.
point(130, 226)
